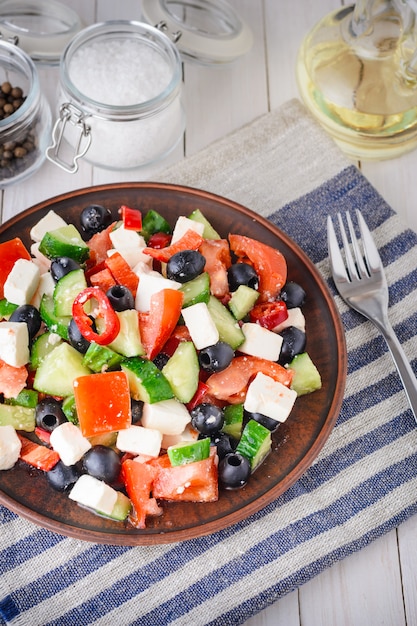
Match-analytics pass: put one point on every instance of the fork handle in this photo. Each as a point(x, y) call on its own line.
point(401, 362)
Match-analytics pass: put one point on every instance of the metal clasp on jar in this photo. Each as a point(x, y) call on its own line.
point(80, 142)
point(163, 27)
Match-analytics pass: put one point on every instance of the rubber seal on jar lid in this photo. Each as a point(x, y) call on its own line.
point(43, 27)
point(205, 31)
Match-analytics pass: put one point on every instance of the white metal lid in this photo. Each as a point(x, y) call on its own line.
point(42, 27)
point(211, 32)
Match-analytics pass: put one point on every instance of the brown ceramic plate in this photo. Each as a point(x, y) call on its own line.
point(295, 444)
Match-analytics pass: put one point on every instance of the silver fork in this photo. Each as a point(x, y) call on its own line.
point(361, 282)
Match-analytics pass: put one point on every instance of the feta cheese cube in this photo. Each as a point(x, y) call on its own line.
point(295, 318)
point(148, 285)
point(69, 442)
point(260, 342)
point(140, 440)
point(183, 224)
point(188, 434)
point(51, 221)
point(14, 343)
point(22, 282)
point(46, 286)
point(170, 417)
point(130, 245)
point(269, 397)
point(94, 493)
point(9, 447)
point(200, 325)
point(40, 259)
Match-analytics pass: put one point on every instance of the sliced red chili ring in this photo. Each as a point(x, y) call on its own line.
point(105, 311)
point(269, 314)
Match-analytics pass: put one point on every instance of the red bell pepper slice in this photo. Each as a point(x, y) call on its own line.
point(157, 326)
point(269, 314)
point(121, 272)
point(105, 311)
point(189, 241)
point(132, 218)
point(159, 240)
point(36, 455)
point(268, 263)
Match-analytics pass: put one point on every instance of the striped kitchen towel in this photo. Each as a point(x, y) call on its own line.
point(364, 481)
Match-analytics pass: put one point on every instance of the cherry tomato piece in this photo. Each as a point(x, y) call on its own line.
point(269, 314)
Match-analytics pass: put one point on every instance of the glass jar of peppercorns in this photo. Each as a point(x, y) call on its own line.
point(25, 117)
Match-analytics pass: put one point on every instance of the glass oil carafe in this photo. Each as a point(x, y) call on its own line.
point(357, 74)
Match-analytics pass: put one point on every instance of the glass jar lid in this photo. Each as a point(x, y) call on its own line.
point(206, 31)
point(42, 27)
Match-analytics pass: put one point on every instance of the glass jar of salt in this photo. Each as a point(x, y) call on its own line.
point(119, 97)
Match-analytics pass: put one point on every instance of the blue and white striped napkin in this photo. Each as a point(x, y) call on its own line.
point(364, 481)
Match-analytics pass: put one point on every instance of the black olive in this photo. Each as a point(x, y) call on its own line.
point(234, 471)
point(30, 315)
point(293, 295)
point(161, 360)
point(95, 218)
point(185, 265)
point(61, 476)
point(136, 407)
point(266, 421)
point(76, 339)
point(207, 418)
point(121, 298)
point(61, 266)
point(294, 342)
point(223, 442)
point(216, 358)
point(102, 462)
point(49, 414)
point(242, 274)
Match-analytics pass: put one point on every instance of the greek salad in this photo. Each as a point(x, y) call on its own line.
point(143, 361)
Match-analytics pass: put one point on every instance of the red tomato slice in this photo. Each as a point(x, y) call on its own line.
point(269, 314)
point(138, 479)
point(132, 218)
point(36, 455)
point(157, 326)
point(231, 384)
point(189, 241)
point(193, 482)
point(12, 379)
point(218, 260)
point(10, 252)
point(100, 243)
point(269, 264)
point(121, 272)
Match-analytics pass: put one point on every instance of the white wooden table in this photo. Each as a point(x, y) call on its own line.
point(379, 584)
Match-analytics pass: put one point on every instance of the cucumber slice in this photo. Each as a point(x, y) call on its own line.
point(233, 420)
point(255, 443)
point(58, 370)
point(42, 345)
point(128, 341)
point(196, 290)
point(26, 398)
point(55, 323)
point(229, 330)
point(64, 241)
point(152, 223)
point(242, 301)
point(6, 308)
point(306, 378)
point(66, 290)
point(122, 507)
point(101, 358)
point(208, 232)
point(20, 417)
point(189, 451)
point(146, 381)
point(182, 371)
point(70, 410)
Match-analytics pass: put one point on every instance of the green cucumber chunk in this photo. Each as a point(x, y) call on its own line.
point(66, 290)
point(64, 241)
point(196, 290)
point(42, 345)
point(128, 341)
point(255, 443)
point(229, 329)
point(20, 417)
point(242, 301)
point(208, 232)
point(27, 398)
point(55, 323)
point(189, 451)
point(182, 371)
point(70, 410)
point(153, 222)
point(6, 308)
point(306, 377)
point(101, 358)
point(57, 371)
point(146, 381)
point(121, 508)
point(233, 420)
